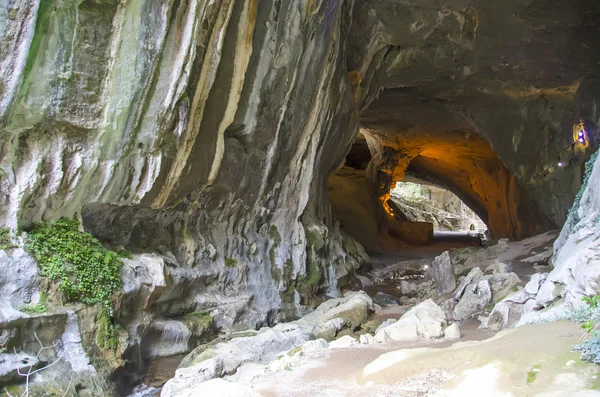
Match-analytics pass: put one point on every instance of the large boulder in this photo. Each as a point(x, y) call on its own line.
point(443, 274)
point(476, 297)
point(426, 320)
point(509, 310)
point(452, 332)
point(502, 284)
point(217, 359)
point(473, 276)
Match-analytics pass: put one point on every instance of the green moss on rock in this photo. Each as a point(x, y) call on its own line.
point(5, 240)
point(309, 284)
point(230, 262)
point(314, 239)
point(106, 336)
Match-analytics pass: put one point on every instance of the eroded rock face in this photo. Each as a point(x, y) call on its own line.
point(212, 361)
point(200, 133)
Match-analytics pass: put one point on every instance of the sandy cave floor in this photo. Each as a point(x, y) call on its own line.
point(534, 360)
point(432, 368)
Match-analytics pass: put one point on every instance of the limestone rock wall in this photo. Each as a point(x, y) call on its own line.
point(198, 129)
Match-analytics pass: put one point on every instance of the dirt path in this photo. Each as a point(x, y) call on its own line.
point(534, 360)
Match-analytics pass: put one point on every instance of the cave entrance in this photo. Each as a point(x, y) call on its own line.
point(417, 201)
point(429, 147)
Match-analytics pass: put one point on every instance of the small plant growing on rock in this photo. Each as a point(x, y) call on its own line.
point(5, 240)
point(230, 262)
point(125, 254)
point(106, 334)
point(590, 319)
point(35, 308)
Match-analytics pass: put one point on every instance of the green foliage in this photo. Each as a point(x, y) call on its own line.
point(5, 240)
point(35, 308)
point(592, 301)
point(590, 350)
point(589, 166)
point(589, 317)
point(106, 333)
point(84, 270)
point(230, 262)
point(125, 254)
point(313, 275)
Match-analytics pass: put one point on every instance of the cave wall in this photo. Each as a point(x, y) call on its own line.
point(510, 73)
point(197, 130)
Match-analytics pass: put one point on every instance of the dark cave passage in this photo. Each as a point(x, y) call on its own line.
point(404, 139)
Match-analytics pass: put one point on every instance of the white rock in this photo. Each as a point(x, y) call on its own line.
point(530, 306)
point(533, 286)
point(366, 339)
point(426, 320)
point(452, 331)
point(315, 345)
point(365, 281)
point(18, 283)
point(498, 318)
point(268, 343)
point(216, 387)
point(248, 372)
point(476, 297)
point(502, 284)
point(549, 292)
point(384, 324)
point(10, 363)
point(343, 342)
point(280, 363)
point(474, 275)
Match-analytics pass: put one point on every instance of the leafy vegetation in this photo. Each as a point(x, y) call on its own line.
point(590, 350)
point(125, 254)
point(106, 334)
point(309, 284)
point(276, 239)
point(83, 269)
point(202, 313)
point(589, 317)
